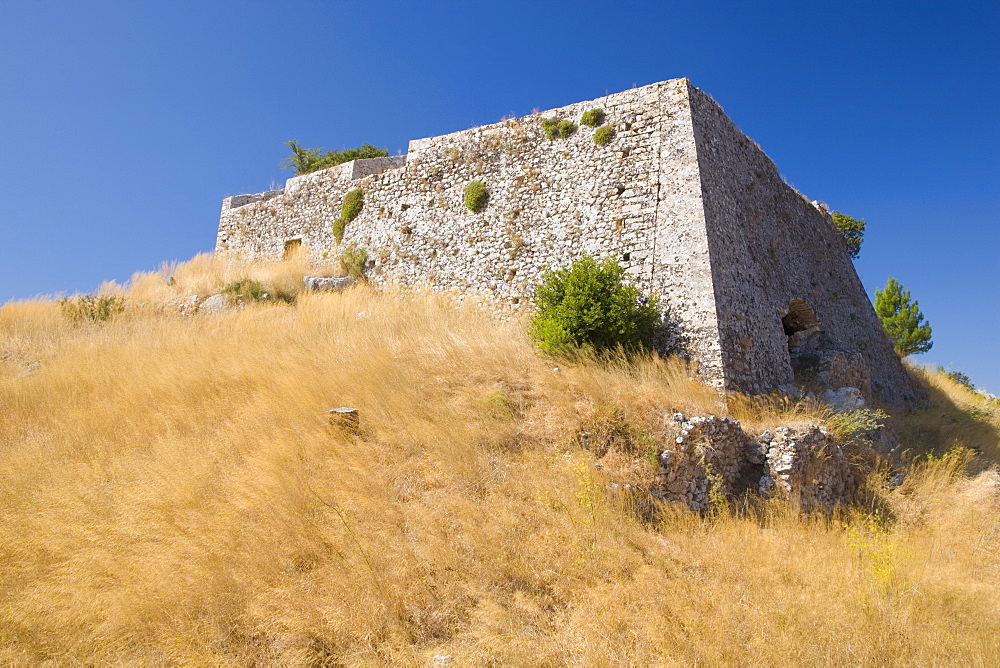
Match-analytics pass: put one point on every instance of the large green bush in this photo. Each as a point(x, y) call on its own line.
point(587, 305)
point(306, 160)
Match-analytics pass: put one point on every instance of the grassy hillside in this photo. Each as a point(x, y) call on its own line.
point(171, 492)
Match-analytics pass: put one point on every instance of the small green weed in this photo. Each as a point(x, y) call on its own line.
point(850, 424)
point(243, 291)
point(718, 503)
point(247, 290)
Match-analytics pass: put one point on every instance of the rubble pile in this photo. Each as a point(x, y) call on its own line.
point(712, 455)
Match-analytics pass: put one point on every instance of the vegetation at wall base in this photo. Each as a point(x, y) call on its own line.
point(247, 291)
point(902, 320)
point(587, 305)
point(603, 135)
point(172, 482)
point(476, 196)
point(352, 261)
point(351, 207)
point(853, 231)
point(308, 160)
point(593, 118)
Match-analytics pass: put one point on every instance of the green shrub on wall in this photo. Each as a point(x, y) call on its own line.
point(476, 195)
point(354, 201)
point(558, 129)
point(593, 118)
point(588, 305)
point(565, 128)
point(603, 135)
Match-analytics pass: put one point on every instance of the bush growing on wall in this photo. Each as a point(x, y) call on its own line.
point(476, 195)
point(587, 305)
point(565, 128)
point(306, 160)
point(593, 118)
point(558, 129)
point(603, 135)
point(354, 201)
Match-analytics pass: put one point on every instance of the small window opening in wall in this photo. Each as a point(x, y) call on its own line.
point(626, 257)
point(292, 247)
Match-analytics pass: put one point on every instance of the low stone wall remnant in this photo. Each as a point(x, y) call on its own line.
point(705, 456)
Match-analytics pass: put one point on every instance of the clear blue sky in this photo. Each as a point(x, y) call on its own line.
point(124, 124)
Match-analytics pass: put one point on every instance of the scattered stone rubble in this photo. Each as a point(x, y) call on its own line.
point(713, 455)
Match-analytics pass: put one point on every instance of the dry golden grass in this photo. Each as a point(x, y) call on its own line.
point(956, 417)
point(170, 492)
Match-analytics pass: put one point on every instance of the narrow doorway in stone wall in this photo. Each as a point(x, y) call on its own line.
point(802, 330)
point(292, 248)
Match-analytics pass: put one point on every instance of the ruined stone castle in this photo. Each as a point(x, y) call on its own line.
point(755, 278)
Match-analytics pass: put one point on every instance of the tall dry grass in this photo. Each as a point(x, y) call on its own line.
point(171, 492)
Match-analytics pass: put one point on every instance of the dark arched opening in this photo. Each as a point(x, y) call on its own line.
point(805, 341)
point(799, 318)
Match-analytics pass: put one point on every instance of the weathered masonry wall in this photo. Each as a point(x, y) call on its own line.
point(692, 208)
point(637, 200)
point(770, 246)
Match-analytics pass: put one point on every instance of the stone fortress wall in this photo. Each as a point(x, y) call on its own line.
point(695, 211)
